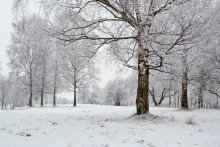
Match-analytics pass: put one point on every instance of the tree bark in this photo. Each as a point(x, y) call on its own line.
point(142, 102)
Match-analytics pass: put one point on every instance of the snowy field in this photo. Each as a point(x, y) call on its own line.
point(108, 126)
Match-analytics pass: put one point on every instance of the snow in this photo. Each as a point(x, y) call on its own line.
point(108, 126)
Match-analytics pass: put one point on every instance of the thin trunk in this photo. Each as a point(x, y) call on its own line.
point(31, 88)
point(191, 102)
point(175, 102)
point(201, 87)
point(178, 100)
point(3, 102)
point(43, 80)
point(200, 98)
point(74, 101)
point(55, 85)
point(153, 96)
point(163, 96)
point(170, 99)
point(54, 96)
point(42, 92)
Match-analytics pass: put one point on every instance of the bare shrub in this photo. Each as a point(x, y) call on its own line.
point(190, 121)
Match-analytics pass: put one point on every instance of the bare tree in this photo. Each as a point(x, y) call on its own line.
point(24, 51)
point(166, 93)
point(4, 91)
point(116, 92)
point(77, 69)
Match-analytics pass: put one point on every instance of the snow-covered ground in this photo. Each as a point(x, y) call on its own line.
point(108, 126)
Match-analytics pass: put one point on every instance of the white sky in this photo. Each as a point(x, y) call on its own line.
point(5, 29)
point(108, 71)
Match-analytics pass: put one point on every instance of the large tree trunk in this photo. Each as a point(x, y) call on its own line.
point(142, 102)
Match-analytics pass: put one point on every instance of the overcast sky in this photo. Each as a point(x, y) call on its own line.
point(107, 72)
point(5, 29)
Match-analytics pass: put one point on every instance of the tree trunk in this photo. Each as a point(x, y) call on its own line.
point(175, 102)
point(55, 85)
point(142, 102)
point(178, 100)
point(200, 98)
point(54, 96)
point(201, 87)
point(74, 101)
point(169, 99)
point(3, 102)
point(184, 98)
point(31, 88)
point(42, 94)
point(31, 94)
point(152, 93)
point(43, 81)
